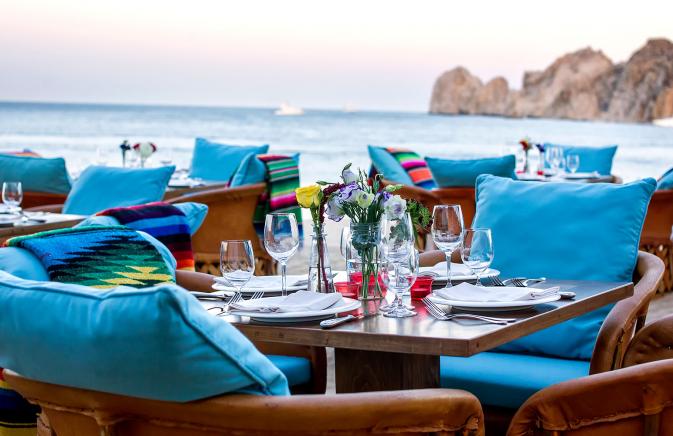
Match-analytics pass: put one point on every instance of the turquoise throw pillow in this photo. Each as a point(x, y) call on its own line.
point(563, 231)
point(218, 162)
point(156, 343)
point(252, 171)
point(36, 174)
point(387, 165)
point(666, 181)
point(100, 188)
point(449, 173)
point(591, 158)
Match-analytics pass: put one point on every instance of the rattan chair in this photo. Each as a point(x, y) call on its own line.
point(656, 235)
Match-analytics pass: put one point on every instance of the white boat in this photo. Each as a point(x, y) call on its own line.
point(286, 109)
point(663, 122)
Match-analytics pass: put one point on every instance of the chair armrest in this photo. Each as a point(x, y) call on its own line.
point(606, 403)
point(627, 316)
point(53, 208)
point(194, 281)
point(654, 342)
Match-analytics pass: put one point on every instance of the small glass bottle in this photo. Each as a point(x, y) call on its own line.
point(319, 267)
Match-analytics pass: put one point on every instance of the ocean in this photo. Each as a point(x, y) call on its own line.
point(87, 134)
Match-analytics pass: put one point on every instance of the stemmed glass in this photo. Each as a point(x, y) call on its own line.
point(447, 232)
point(281, 240)
point(573, 162)
point(12, 195)
point(477, 252)
point(399, 276)
point(237, 263)
point(556, 159)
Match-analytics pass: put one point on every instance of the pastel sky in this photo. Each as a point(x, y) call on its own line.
point(372, 54)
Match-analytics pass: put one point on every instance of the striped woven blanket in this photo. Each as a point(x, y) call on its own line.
point(415, 166)
point(165, 222)
point(282, 178)
point(99, 257)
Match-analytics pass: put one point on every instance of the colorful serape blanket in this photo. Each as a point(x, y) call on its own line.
point(99, 257)
point(415, 166)
point(282, 178)
point(25, 153)
point(165, 222)
point(17, 416)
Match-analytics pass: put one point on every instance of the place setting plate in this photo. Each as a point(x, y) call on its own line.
point(459, 272)
point(493, 306)
point(270, 285)
point(343, 305)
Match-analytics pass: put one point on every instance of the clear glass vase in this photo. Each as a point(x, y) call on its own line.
point(319, 267)
point(364, 259)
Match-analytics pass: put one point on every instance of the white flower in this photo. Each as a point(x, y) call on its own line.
point(348, 176)
point(395, 207)
point(363, 199)
point(334, 210)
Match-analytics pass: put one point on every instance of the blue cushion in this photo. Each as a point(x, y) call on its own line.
point(564, 231)
point(218, 162)
point(591, 158)
point(666, 181)
point(464, 172)
point(194, 212)
point(157, 343)
point(507, 380)
point(249, 172)
point(24, 264)
point(387, 165)
point(296, 369)
point(100, 188)
point(36, 174)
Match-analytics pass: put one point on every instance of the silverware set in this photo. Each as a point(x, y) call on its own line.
point(438, 313)
point(224, 311)
point(519, 282)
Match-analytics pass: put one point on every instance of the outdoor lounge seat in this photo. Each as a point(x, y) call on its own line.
point(44, 180)
point(657, 232)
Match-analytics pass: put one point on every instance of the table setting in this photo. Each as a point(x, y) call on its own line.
point(11, 213)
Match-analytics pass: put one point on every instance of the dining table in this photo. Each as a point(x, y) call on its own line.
point(33, 222)
point(378, 353)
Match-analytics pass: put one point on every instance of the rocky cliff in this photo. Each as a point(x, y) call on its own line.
point(584, 85)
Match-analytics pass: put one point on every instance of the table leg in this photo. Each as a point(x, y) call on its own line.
point(364, 371)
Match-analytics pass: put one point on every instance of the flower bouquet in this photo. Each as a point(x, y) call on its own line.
point(526, 146)
point(144, 150)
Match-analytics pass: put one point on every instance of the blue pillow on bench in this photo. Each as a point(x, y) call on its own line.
point(666, 181)
point(36, 174)
point(563, 231)
point(157, 343)
point(450, 173)
point(591, 158)
point(387, 165)
point(218, 162)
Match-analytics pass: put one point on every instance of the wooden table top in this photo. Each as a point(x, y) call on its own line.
point(423, 334)
point(52, 221)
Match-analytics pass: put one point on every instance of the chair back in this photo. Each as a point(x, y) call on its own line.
point(463, 196)
point(656, 235)
point(34, 199)
point(230, 214)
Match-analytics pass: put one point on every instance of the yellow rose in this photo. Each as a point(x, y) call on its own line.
point(308, 196)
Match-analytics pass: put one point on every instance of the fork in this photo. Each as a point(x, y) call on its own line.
point(439, 314)
point(234, 299)
point(495, 281)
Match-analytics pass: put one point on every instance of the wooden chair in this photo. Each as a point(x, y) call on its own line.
point(656, 235)
point(69, 411)
point(230, 213)
point(635, 400)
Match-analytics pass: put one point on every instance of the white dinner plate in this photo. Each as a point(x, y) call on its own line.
point(184, 183)
point(458, 272)
point(266, 284)
point(580, 176)
point(492, 306)
point(343, 305)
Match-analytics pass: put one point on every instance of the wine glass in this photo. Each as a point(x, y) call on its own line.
point(399, 275)
point(397, 237)
point(12, 195)
point(477, 252)
point(447, 232)
point(556, 159)
point(237, 263)
point(281, 240)
point(573, 162)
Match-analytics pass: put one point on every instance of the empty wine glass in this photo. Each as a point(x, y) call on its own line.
point(237, 263)
point(477, 250)
point(447, 232)
point(344, 243)
point(397, 237)
point(556, 159)
point(281, 240)
point(399, 275)
point(573, 162)
point(12, 195)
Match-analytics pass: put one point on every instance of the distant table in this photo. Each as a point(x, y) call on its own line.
point(379, 353)
point(537, 178)
point(51, 221)
point(176, 189)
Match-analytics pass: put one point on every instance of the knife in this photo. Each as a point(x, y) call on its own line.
point(329, 323)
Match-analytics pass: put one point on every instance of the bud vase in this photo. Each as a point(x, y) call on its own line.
point(319, 268)
point(364, 259)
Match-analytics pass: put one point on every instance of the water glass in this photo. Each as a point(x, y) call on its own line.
point(12, 195)
point(237, 262)
point(477, 251)
point(447, 232)
point(399, 275)
point(397, 237)
point(281, 240)
point(573, 162)
point(557, 160)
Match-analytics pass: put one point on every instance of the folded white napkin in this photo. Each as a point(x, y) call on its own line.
point(268, 283)
point(439, 270)
point(300, 301)
point(468, 292)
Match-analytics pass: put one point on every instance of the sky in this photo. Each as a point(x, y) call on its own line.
point(370, 54)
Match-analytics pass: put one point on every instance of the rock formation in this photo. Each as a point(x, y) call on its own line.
point(584, 85)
